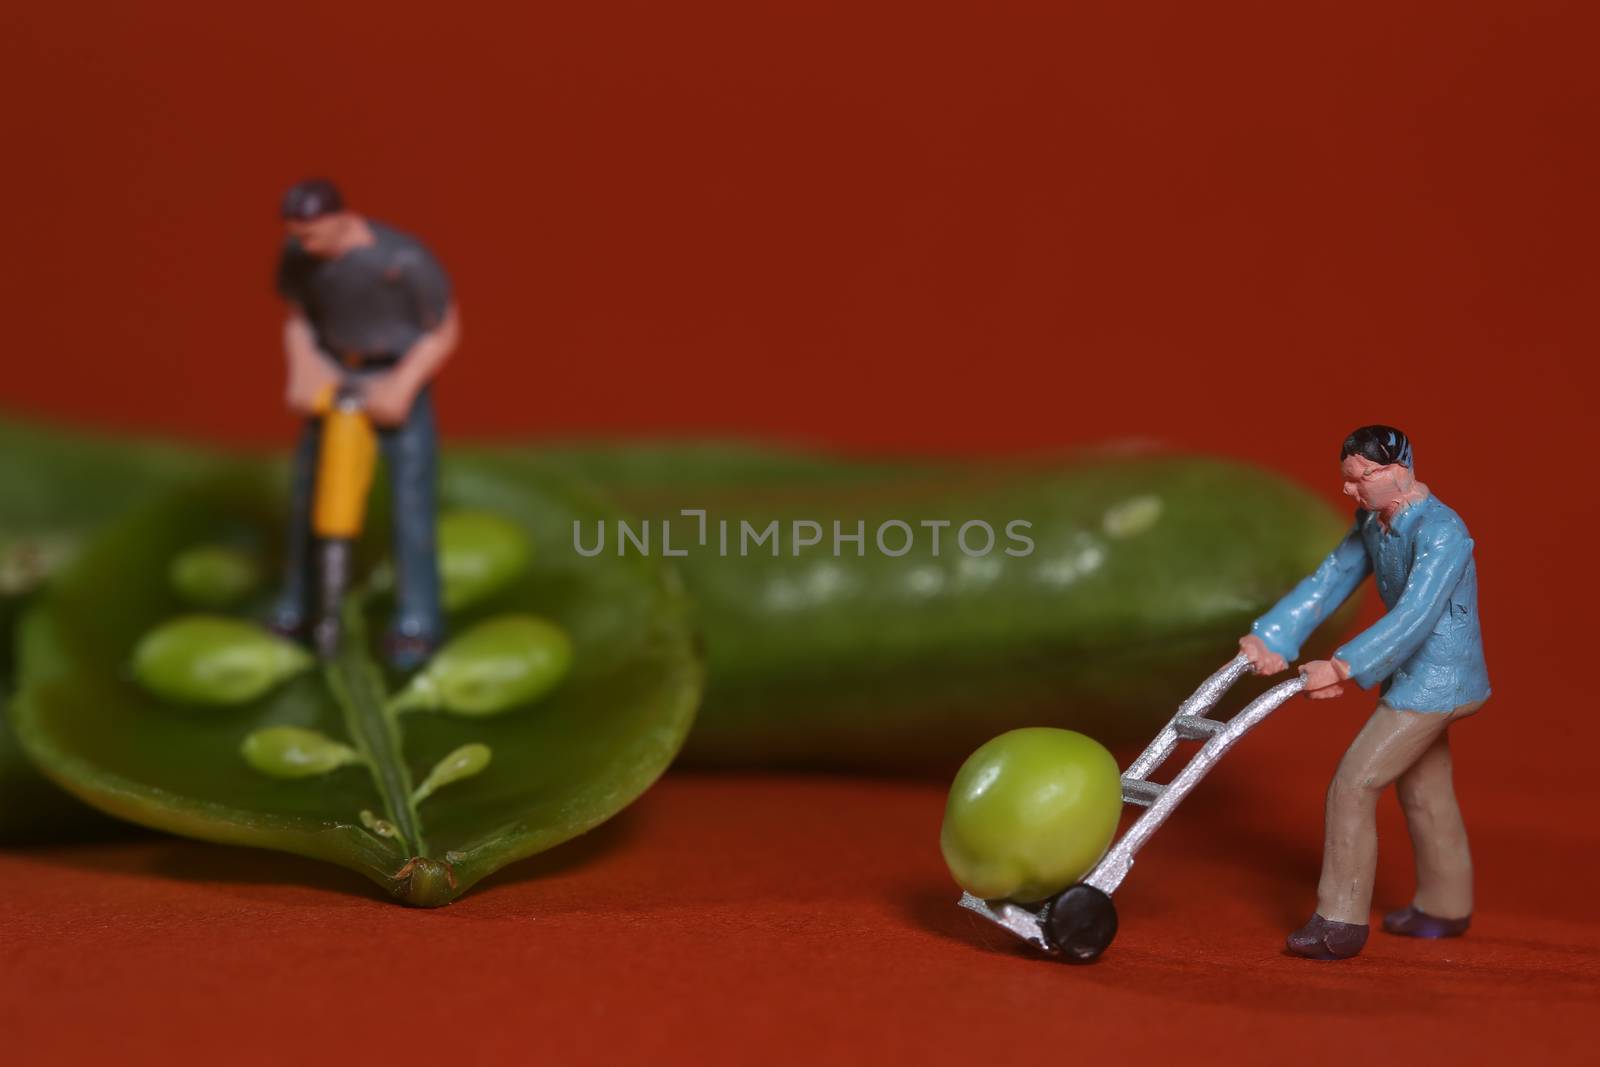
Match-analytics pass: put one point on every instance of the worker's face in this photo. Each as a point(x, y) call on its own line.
point(1375, 486)
point(320, 236)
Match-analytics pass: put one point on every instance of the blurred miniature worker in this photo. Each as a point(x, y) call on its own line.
point(1427, 654)
point(371, 307)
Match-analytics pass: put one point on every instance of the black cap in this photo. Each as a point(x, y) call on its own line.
point(311, 199)
point(1381, 444)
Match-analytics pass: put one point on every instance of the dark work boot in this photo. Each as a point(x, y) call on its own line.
point(408, 651)
point(1324, 939)
point(287, 620)
point(1410, 921)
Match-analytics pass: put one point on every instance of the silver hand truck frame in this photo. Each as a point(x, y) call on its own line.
point(1078, 923)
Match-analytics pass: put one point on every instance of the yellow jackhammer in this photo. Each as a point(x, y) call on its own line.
point(347, 457)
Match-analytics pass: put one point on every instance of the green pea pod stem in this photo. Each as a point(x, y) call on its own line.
point(357, 685)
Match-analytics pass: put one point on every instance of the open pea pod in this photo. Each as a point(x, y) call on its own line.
point(55, 486)
point(424, 803)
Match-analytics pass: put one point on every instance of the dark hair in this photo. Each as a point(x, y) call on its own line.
point(311, 199)
point(1381, 444)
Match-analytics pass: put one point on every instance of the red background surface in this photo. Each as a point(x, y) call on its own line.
point(1240, 227)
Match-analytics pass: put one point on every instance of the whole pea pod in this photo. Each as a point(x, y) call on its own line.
point(905, 643)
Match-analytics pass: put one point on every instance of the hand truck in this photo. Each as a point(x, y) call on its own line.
point(1078, 923)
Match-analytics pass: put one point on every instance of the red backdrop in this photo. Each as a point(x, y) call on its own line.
point(1241, 227)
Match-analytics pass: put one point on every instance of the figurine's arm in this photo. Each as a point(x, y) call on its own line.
point(1440, 558)
point(419, 365)
point(1284, 629)
point(388, 397)
point(310, 372)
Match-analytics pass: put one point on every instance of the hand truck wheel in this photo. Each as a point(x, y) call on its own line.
point(1081, 923)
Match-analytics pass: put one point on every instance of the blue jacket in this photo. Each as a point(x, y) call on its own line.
point(1428, 650)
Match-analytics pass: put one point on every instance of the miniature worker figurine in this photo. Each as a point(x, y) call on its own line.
point(370, 309)
point(1427, 656)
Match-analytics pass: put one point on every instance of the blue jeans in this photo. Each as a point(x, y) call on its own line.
point(410, 452)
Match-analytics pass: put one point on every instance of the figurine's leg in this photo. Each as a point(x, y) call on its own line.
point(1386, 748)
point(292, 609)
point(411, 453)
point(1438, 835)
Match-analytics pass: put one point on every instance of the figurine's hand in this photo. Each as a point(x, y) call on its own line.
point(308, 385)
point(387, 399)
point(1262, 659)
point(1325, 677)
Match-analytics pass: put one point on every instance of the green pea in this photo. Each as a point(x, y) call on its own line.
point(210, 659)
point(214, 576)
point(381, 827)
point(479, 554)
point(464, 762)
point(1030, 812)
point(497, 665)
point(1132, 516)
point(295, 752)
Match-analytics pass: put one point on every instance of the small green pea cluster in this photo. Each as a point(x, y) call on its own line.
point(502, 663)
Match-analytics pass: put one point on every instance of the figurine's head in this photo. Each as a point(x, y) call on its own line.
point(1376, 464)
point(315, 216)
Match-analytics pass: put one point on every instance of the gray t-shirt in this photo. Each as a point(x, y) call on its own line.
point(373, 300)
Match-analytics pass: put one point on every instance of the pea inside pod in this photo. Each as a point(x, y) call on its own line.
point(215, 661)
point(480, 553)
point(214, 576)
point(464, 762)
point(295, 752)
point(497, 665)
point(601, 737)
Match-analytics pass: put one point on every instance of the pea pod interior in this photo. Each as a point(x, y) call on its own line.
point(559, 767)
point(56, 487)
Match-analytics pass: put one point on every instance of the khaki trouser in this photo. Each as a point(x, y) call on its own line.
point(1411, 748)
